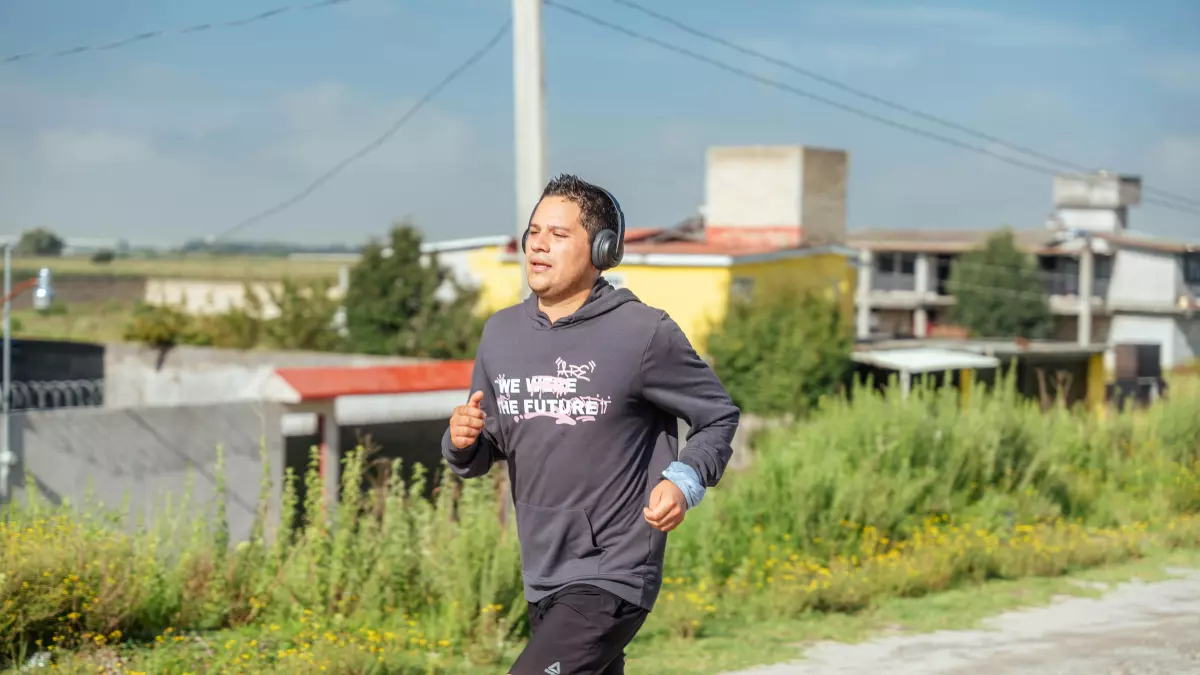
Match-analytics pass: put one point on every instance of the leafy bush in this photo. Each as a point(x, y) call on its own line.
point(869, 497)
point(395, 304)
point(780, 350)
point(40, 242)
point(302, 319)
point(889, 463)
point(384, 558)
point(163, 326)
point(999, 292)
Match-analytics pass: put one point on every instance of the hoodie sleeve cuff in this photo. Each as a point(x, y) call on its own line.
point(687, 480)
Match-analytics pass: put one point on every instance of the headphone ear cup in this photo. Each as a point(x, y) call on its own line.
point(602, 249)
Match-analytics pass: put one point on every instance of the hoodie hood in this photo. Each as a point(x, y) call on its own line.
point(602, 299)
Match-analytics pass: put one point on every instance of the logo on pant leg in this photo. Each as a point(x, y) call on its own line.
point(554, 669)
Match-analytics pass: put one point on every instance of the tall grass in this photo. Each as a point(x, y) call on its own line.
point(873, 495)
point(440, 569)
point(889, 463)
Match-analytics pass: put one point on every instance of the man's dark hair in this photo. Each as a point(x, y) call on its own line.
point(597, 212)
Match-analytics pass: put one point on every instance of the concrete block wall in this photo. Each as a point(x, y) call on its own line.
point(145, 454)
point(824, 207)
point(776, 195)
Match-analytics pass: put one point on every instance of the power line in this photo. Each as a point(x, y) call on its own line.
point(429, 96)
point(783, 86)
point(929, 117)
point(197, 28)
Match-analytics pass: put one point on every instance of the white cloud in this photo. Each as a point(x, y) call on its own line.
point(165, 169)
point(328, 122)
point(978, 25)
point(91, 148)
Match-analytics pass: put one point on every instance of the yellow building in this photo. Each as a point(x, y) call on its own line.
point(771, 214)
point(694, 288)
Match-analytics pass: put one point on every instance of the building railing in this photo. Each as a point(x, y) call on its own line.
point(893, 281)
point(1061, 284)
point(49, 395)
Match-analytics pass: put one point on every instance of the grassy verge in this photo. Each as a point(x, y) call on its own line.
point(873, 500)
point(234, 268)
point(322, 644)
point(100, 322)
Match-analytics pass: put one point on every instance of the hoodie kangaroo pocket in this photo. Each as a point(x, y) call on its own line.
point(556, 544)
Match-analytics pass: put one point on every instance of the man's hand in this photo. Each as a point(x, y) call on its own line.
point(467, 422)
point(667, 506)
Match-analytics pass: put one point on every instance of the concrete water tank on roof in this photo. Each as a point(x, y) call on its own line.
point(1101, 190)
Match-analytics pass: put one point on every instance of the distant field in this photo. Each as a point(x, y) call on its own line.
point(80, 323)
point(198, 267)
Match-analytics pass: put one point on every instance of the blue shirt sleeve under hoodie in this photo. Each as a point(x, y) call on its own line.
point(585, 413)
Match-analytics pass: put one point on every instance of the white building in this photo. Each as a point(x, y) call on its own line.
point(1142, 289)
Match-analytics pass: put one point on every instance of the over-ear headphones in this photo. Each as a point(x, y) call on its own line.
point(607, 246)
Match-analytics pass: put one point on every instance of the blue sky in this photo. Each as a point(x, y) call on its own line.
point(183, 136)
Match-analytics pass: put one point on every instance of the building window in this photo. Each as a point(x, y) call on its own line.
point(908, 263)
point(1191, 268)
point(886, 262)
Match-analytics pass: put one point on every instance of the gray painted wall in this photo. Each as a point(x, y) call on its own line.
point(145, 454)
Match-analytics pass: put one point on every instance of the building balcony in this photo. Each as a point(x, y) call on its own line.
point(1062, 285)
point(894, 282)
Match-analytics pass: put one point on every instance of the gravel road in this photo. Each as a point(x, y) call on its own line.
point(1134, 629)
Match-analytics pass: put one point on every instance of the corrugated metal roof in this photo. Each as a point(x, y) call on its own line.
point(315, 384)
point(924, 359)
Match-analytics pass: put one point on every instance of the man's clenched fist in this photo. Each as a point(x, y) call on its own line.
point(467, 422)
point(667, 507)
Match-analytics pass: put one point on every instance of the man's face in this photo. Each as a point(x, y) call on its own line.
point(558, 257)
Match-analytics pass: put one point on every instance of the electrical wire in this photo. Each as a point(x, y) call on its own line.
point(803, 93)
point(929, 117)
point(426, 98)
point(197, 28)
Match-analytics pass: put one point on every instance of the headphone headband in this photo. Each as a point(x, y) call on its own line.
point(620, 222)
point(608, 247)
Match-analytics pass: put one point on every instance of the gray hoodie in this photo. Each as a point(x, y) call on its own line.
point(585, 411)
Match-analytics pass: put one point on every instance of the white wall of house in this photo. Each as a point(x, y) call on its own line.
point(1179, 338)
point(1144, 279)
point(1187, 345)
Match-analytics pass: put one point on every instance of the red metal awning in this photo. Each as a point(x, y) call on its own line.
point(302, 385)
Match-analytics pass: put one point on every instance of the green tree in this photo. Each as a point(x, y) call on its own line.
point(306, 314)
point(40, 242)
point(304, 320)
point(780, 349)
point(998, 291)
point(392, 305)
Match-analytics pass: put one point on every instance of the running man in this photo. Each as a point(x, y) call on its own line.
point(580, 388)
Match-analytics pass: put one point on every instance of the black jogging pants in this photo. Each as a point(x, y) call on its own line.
point(580, 630)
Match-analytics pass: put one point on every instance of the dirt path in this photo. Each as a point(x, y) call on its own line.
point(1134, 629)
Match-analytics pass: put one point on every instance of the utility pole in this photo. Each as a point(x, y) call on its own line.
point(529, 108)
